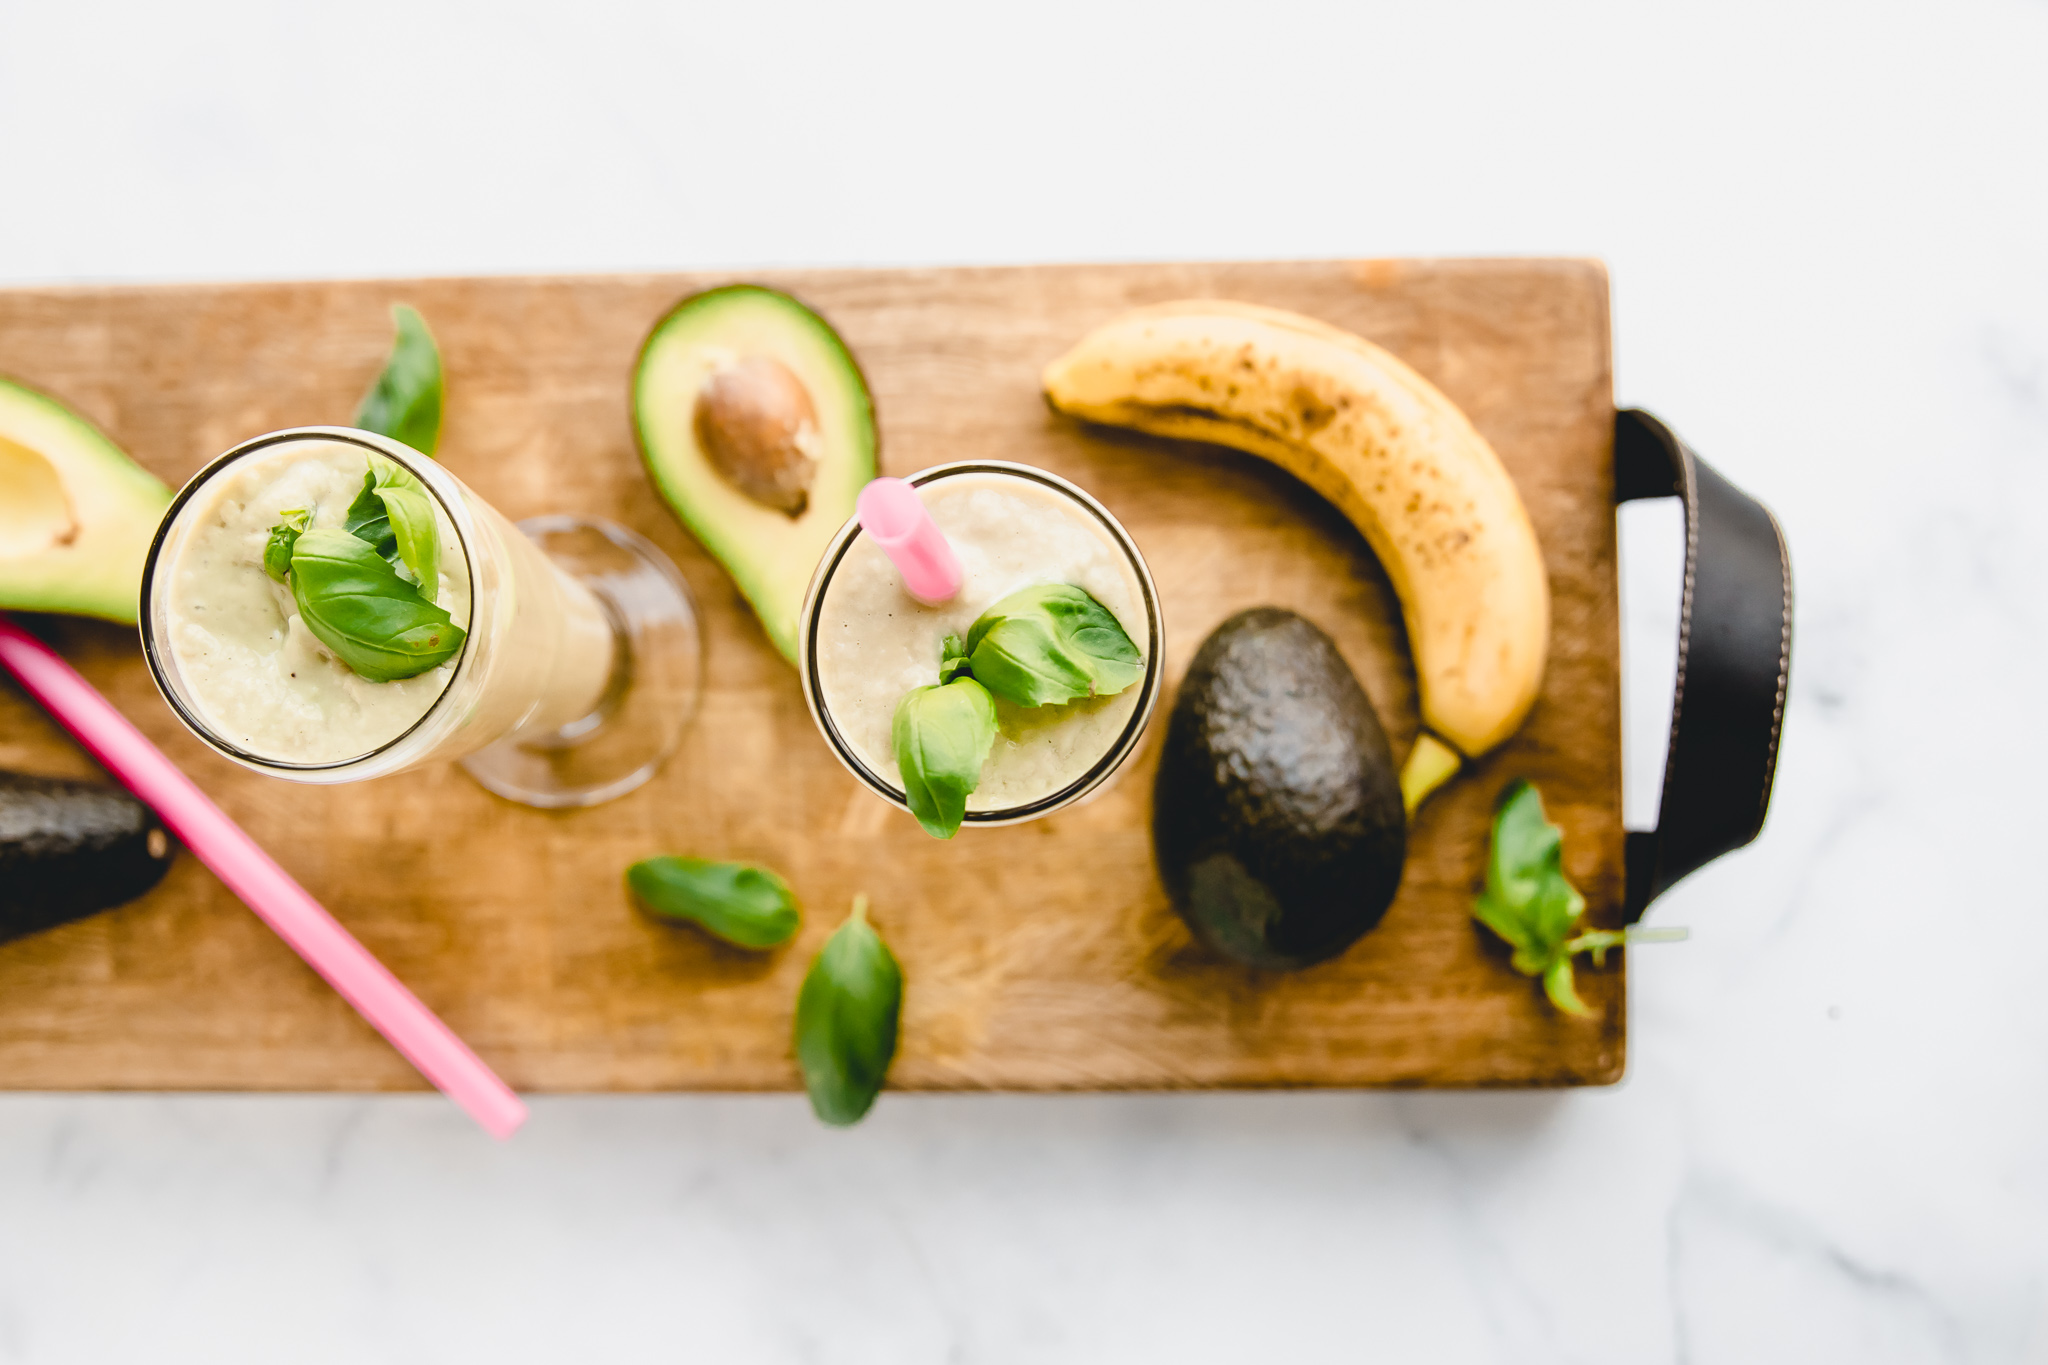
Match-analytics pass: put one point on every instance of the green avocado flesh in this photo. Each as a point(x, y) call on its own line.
point(69, 849)
point(1277, 819)
point(76, 514)
point(769, 551)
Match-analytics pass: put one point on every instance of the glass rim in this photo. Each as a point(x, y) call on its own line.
point(1112, 758)
point(398, 452)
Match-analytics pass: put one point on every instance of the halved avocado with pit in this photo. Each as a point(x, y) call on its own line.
point(76, 514)
point(756, 423)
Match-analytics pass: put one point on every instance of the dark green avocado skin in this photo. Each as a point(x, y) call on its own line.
point(1277, 817)
point(69, 849)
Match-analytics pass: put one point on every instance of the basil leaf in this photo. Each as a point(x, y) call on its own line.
point(405, 402)
point(745, 905)
point(1562, 990)
point(277, 551)
point(369, 521)
point(942, 736)
point(356, 604)
point(410, 510)
point(1530, 904)
point(1052, 644)
point(846, 1018)
point(952, 659)
point(394, 514)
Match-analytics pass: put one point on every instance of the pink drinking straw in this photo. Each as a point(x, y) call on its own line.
point(264, 887)
point(891, 511)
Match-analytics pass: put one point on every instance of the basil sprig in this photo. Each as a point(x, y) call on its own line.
point(846, 1019)
point(355, 603)
point(942, 735)
point(394, 514)
point(746, 905)
point(367, 591)
point(1041, 646)
point(1051, 644)
point(1528, 902)
point(405, 402)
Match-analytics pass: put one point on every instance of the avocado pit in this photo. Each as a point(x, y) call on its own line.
point(756, 424)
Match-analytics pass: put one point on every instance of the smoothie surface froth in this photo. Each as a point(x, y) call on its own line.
point(257, 676)
point(875, 641)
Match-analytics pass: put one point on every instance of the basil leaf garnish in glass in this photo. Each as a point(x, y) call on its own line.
point(1056, 624)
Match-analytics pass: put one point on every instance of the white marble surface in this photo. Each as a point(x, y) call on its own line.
point(1830, 252)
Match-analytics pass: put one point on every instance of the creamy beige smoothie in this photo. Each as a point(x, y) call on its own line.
point(255, 680)
point(873, 642)
point(254, 671)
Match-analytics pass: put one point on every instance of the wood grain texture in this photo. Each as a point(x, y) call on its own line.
point(1042, 957)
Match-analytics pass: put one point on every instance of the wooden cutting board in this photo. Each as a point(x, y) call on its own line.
point(1043, 957)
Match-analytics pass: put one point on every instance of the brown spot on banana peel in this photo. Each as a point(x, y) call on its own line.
point(1311, 413)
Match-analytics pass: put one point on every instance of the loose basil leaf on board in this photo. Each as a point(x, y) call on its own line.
point(356, 604)
point(277, 551)
point(1530, 904)
point(952, 659)
point(405, 402)
point(747, 906)
point(942, 736)
point(846, 1017)
point(1051, 644)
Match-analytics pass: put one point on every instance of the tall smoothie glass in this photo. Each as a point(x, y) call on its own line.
point(863, 641)
point(579, 670)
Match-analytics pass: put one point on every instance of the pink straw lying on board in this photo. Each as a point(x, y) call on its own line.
point(264, 887)
point(891, 511)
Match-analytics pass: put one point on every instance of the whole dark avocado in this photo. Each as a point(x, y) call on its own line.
point(69, 849)
point(1277, 818)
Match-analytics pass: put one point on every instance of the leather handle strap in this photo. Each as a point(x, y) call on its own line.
point(1734, 658)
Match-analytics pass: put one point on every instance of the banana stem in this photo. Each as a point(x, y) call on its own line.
point(1431, 763)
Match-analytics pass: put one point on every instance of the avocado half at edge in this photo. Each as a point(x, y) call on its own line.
point(1276, 818)
point(76, 514)
point(756, 424)
point(69, 849)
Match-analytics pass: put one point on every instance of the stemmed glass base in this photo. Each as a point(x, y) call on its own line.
point(657, 667)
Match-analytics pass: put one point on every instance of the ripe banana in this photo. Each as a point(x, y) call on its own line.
point(1396, 457)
